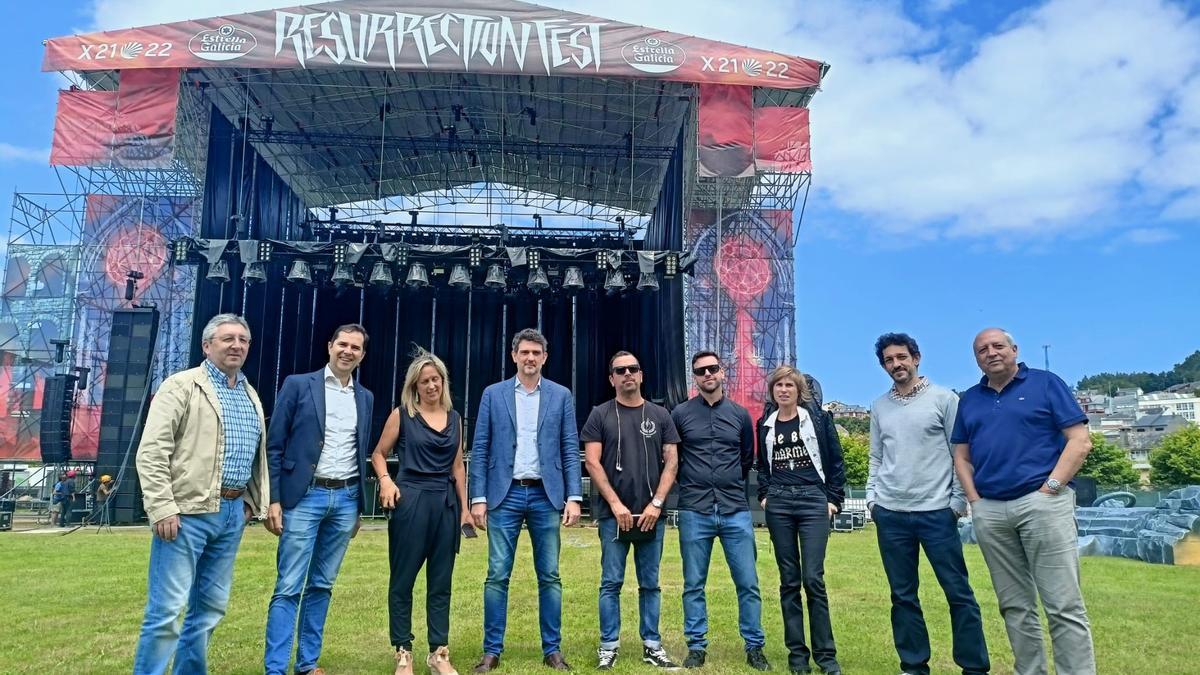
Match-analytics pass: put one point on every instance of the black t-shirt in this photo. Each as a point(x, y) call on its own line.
point(790, 460)
point(643, 431)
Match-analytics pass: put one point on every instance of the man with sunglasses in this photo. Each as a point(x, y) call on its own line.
point(630, 449)
point(715, 456)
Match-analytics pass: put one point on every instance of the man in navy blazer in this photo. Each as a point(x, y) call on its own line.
point(317, 447)
point(525, 470)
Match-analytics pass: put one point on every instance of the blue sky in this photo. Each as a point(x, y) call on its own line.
point(1031, 165)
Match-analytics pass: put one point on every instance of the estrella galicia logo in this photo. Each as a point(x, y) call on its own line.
point(223, 44)
point(653, 55)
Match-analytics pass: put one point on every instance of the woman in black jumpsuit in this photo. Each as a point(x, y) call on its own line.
point(429, 499)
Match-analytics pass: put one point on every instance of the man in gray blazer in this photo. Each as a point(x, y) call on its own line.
point(525, 470)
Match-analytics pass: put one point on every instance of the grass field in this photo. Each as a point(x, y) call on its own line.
point(73, 604)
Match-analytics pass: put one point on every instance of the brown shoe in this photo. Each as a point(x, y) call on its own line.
point(439, 662)
point(487, 664)
point(556, 661)
point(403, 662)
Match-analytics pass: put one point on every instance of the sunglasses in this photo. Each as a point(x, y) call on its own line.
point(706, 370)
point(621, 370)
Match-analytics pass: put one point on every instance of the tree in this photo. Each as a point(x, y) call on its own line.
point(1108, 464)
point(855, 448)
point(1185, 371)
point(854, 425)
point(1176, 461)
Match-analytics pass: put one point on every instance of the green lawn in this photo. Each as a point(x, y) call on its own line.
point(74, 604)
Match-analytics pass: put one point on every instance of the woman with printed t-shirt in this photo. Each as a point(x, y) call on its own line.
point(801, 484)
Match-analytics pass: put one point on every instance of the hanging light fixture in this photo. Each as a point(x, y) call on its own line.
point(538, 281)
point(300, 273)
point(647, 282)
point(342, 274)
point(417, 276)
point(255, 273)
point(218, 272)
point(573, 279)
point(381, 275)
point(615, 281)
point(181, 251)
point(495, 277)
point(671, 265)
point(460, 278)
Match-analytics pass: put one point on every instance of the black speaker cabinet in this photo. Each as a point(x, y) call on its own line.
point(57, 399)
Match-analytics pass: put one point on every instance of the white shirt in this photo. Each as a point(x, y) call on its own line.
point(339, 458)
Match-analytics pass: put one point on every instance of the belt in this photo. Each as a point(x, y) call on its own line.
point(331, 483)
point(232, 493)
point(528, 482)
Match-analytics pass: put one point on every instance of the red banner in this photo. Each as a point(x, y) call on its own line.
point(83, 128)
point(781, 140)
point(726, 131)
point(133, 127)
point(478, 36)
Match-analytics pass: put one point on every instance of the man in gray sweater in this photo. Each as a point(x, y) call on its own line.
point(915, 500)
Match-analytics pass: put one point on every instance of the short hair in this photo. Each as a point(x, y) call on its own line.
point(1012, 342)
point(210, 328)
point(895, 340)
point(703, 353)
point(350, 328)
point(789, 372)
point(409, 395)
point(530, 335)
point(617, 356)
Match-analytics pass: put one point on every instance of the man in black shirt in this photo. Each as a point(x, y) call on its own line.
point(715, 456)
point(629, 444)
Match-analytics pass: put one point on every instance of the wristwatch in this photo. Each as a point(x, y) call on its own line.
point(1053, 485)
point(656, 503)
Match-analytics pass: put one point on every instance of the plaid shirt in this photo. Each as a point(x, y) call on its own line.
point(239, 421)
point(921, 386)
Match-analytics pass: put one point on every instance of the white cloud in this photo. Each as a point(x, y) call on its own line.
point(1060, 120)
point(15, 153)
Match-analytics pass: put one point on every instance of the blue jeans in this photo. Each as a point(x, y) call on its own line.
point(195, 571)
point(530, 506)
point(315, 535)
point(901, 536)
point(736, 532)
point(646, 558)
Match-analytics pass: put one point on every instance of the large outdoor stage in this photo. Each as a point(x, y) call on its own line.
point(444, 175)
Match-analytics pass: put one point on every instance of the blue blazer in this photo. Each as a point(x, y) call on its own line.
point(297, 433)
point(494, 448)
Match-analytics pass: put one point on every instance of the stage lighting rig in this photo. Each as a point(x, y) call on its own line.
point(339, 253)
point(218, 272)
point(265, 248)
point(671, 265)
point(495, 278)
point(647, 282)
point(181, 251)
point(460, 278)
point(301, 272)
point(538, 281)
point(381, 275)
point(417, 276)
point(533, 257)
point(573, 279)
point(475, 256)
point(255, 273)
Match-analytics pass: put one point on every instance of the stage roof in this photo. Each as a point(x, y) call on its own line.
point(357, 100)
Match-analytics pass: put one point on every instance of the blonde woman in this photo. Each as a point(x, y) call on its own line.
point(428, 505)
point(801, 484)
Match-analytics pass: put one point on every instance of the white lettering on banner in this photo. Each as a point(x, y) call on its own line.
point(340, 36)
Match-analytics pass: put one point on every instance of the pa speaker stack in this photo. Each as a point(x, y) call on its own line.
point(58, 397)
point(130, 356)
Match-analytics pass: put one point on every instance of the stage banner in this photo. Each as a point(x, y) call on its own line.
point(123, 234)
point(131, 128)
point(477, 36)
point(781, 140)
point(742, 296)
point(725, 140)
point(83, 128)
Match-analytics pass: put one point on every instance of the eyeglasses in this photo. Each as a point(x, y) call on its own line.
point(706, 370)
point(621, 370)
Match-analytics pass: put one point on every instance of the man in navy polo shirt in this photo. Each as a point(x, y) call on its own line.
point(1019, 438)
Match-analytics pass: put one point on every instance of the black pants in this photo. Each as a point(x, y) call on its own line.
point(901, 535)
point(423, 530)
point(798, 518)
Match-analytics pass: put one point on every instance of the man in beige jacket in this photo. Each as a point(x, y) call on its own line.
point(202, 464)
